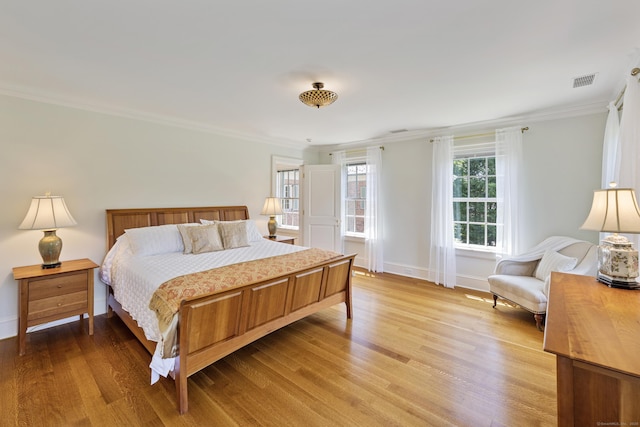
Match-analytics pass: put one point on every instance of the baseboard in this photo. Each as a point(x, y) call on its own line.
point(8, 327)
point(406, 270)
point(471, 282)
point(462, 281)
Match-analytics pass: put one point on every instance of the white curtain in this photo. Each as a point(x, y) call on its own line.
point(508, 181)
point(610, 148)
point(630, 142)
point(442, 255)
point(372, 216)
point(339, 158)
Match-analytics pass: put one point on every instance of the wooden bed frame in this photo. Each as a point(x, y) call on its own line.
point(241, 315)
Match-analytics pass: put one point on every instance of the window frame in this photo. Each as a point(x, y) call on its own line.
point(280, 164)
point(361, 200)
point(470, 152)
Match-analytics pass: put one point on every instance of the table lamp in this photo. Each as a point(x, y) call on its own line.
point(272, 208)
point(48, 213)
point(615, 210)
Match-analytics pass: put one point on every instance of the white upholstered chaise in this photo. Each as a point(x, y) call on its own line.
point(524, 279)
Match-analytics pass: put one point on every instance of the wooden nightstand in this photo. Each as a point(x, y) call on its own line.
point(54, 293)
point(282, 239)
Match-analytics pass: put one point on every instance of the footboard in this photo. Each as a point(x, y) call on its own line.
point(213, 326)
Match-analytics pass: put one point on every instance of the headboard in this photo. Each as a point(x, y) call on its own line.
point(119, 220)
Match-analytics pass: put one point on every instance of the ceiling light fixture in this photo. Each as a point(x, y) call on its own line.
point(318, 97)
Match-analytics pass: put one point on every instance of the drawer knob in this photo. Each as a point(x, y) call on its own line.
point(59, 304)
point(59, 286)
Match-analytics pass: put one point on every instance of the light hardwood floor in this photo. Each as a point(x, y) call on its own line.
point(415, 354)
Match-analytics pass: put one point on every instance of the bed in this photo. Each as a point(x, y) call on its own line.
point(212, 325)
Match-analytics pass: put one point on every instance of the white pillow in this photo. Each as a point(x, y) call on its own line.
point(154, 240)
point(554, 261)
point(253, 235)
point(120, 248)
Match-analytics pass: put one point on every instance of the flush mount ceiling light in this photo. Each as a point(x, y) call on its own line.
point(318, 97)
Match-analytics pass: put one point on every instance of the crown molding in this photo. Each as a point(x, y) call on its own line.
point(79, 104)
point(555, 113)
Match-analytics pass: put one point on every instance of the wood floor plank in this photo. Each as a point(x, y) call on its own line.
point(414, 354)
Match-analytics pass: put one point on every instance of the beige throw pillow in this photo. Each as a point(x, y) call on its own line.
point(186, 237)
point(234, 234)
point(253, 235)
point(205, 238)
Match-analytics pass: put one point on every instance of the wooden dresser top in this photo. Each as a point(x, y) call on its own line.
point(590, 322)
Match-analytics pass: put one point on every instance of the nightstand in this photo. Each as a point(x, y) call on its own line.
point(48, 294)
point(282, 239)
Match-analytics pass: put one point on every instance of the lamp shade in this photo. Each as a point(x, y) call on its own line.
point(614, 210)
point(271, 206)
point(47, 213)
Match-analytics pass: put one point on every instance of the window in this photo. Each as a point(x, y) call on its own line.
point(285, 184)
point(288, 190)
point(474, 201)
point(356, 199)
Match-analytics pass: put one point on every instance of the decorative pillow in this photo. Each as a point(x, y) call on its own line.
point(554, 261)
point(154, 240)
point(186, 238)
point(234, 234)
point(253, 235)
point(205, 238)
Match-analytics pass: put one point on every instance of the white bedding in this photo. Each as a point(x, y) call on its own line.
point(134, 278)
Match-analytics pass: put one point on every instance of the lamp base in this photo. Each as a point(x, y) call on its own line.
point(57, 264)
point(273, 226)
point(50, 246)
point(615, 282)
point(617, 263)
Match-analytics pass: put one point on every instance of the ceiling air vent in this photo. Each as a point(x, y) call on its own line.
point(586, 80)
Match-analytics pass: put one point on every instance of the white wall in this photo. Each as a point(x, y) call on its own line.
point(562, 168)
point(97, 161)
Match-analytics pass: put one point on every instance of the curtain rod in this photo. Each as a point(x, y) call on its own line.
point(478, 135)
point(360, 150)
point(634, 72)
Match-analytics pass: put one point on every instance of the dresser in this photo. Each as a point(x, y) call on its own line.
point(594, 331)
point(51, 294)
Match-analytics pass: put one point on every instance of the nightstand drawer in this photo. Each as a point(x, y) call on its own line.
point(58, 306)
point(57, 285)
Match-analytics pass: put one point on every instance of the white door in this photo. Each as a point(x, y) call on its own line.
point(321, 207)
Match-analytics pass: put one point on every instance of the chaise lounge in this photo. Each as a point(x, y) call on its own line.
point(524, 279)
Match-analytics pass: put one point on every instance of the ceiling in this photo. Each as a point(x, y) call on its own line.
point(237, 67)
